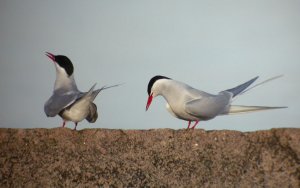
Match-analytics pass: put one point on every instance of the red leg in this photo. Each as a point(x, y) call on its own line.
point(195, 124)
point(64, 123)
point(75, 126)
point(189, 125)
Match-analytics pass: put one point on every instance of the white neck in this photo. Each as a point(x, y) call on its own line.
point(64, 82)
point(173, 91)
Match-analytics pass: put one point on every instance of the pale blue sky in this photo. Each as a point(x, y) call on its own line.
point(211, 45)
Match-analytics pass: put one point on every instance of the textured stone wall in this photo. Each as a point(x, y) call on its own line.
point(156, 158)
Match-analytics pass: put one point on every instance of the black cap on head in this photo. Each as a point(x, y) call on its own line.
point(65, 62)
point(153, 80)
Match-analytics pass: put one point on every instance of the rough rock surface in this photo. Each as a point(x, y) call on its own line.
point(62, 157)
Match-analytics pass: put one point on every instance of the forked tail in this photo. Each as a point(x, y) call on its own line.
point(243, 88)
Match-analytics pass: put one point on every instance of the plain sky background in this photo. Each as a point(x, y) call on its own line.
point(212, 45)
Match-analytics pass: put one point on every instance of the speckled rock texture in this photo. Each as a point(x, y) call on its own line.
point(62, 157)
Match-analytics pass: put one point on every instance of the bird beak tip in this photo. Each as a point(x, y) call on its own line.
point(149, 102)
point(50, 55)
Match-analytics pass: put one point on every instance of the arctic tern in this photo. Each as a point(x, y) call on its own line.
point(190, 104)
point(67, 101)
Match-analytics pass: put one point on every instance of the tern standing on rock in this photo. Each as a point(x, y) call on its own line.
point(67, 101)
point(187, 103)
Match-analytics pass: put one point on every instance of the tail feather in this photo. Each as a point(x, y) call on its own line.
point(238, 109)
point(261, 83)
point(107, 87)
point(93, 94)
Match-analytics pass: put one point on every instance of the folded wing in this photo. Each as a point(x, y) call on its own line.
point(209, 107)
point(240, 88)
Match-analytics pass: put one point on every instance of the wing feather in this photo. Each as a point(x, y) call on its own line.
point(208, 107)
point(58, 102)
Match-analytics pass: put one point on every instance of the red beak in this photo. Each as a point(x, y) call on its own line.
point(51, 56)
point(149, 101)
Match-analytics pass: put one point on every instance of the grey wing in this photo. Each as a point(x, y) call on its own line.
point(240, 88)
point(56, 103)
point(208, 107)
